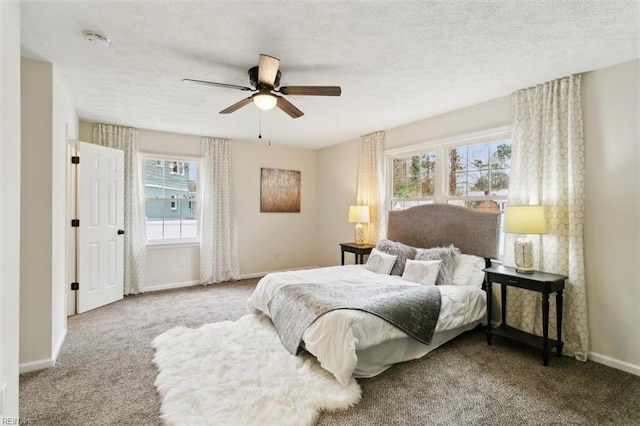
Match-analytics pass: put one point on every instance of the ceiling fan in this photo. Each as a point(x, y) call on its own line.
point(265, 79)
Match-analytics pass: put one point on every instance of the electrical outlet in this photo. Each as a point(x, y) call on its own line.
point(276, 254)
point(181, 262)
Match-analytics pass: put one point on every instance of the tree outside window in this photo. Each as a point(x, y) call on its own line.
point(473, 175)
point(478, 175)
point(413, 179)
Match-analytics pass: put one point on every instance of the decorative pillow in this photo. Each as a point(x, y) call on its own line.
point(448, 255)
point(466, 272)
point(379, 262)
point(464, 268)
point(421, 271)
point(403, 252)
point(477, 275)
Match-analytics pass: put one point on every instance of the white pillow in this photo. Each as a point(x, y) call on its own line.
point(380, 262)
point(477, 276)
point(422, 272)
point(469, 271)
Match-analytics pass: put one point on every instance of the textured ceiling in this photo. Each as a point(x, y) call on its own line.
point(397, 62)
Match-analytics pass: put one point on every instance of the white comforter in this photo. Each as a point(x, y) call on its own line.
point(335, 337)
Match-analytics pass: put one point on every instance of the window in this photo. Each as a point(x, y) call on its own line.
point(171, 199)
point(414, 180)
point(470, 171)
point(478, 175)
point(177, 167)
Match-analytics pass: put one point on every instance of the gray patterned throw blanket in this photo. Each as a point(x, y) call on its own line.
point(413, 309)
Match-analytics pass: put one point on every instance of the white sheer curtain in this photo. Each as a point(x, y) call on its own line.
point(135, 238)
point(370, 190)
point(548, 169)
point(217, 219)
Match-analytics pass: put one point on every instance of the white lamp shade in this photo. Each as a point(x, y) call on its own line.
point(264, 101)
point(359, 214)
point(525, 220)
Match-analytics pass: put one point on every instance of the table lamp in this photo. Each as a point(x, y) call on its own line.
point(359, 215)
point(524, 220)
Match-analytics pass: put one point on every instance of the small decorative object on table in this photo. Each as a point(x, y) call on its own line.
point(524, 220)
point(359, 215)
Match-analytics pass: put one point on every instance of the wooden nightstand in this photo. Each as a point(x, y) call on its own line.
point(359, 250)
point(541, 282)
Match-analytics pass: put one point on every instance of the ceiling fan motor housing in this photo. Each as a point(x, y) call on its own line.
point(253, 78)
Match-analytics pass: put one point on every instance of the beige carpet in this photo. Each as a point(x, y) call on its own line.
point(105, 374)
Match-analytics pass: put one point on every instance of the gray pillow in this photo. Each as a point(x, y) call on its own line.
point(403, 252)
point(448, 255)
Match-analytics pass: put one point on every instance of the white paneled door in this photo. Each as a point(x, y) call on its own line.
point(101, 236)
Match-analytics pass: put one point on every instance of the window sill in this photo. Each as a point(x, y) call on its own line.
point(170, 245)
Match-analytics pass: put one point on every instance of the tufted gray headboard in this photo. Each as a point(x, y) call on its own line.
point(434, 225)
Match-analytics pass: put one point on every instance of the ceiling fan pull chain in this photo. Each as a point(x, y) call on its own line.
point(259, 124)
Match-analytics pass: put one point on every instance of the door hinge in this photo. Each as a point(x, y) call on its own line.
point(75, 159)
point(75, 223)
point(75, 286)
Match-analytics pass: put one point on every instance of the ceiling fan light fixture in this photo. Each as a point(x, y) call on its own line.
point(264, 101)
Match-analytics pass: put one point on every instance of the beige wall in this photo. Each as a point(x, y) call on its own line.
point(48, 117)
point(610, 111)
point(487, 115)
point(266, 241)
point(10, 146)
point(337, 174)
point(274, 241)
point(35, 207)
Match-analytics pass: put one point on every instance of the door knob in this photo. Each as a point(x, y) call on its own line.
point(120, 231)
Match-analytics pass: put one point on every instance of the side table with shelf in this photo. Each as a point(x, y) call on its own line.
point(358, 250)
point(542, 282)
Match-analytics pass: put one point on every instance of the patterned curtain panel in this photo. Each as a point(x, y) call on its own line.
point(548, 169)
point(135, 238)
point(218, 230)
point(370, 191)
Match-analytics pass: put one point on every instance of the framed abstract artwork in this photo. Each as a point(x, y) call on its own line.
point(279, 191)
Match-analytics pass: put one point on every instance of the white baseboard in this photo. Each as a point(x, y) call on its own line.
point(170, 286)
point(615, 363)
point(41, 364)
point(58, 347)
point(36, 365)
point(262, 274)
point(192, 283)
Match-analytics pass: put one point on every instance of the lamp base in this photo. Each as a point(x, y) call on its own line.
point(523, 251)
point(358, 234)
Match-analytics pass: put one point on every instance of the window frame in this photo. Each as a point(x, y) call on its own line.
point(441, 147)
point(177, 158)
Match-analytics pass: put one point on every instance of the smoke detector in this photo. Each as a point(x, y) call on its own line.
point(96, 38)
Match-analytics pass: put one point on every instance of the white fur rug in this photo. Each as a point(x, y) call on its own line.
point(238, 373)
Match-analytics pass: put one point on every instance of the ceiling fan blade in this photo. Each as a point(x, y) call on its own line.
point(236, 106)
point(268, 69)
point(289, 108)
point(311, 90)
point(211, 83)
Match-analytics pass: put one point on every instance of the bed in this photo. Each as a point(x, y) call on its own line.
point(354, 343)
